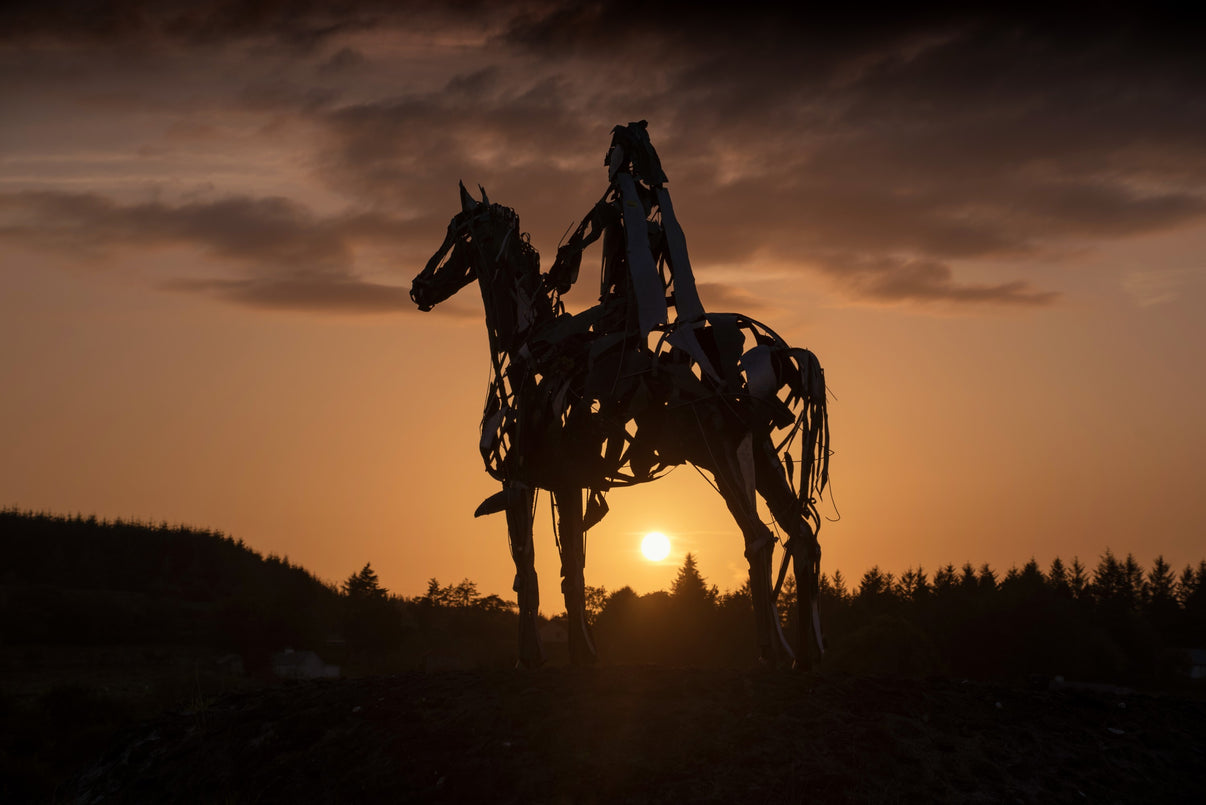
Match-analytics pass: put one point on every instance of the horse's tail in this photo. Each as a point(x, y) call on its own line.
point(801, 375)
point(805, 381)
point(791, 382)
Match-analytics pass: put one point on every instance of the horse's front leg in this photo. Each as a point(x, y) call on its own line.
point(573, 580)
point(519, 501)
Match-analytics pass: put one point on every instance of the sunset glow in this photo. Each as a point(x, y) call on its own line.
point(991, 235)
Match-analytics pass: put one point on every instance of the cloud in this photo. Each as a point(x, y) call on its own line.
point(273, 231)
point(1159, 287)
point(311, 294)
point(290, 257)
point(884, 152)
point(522, 140)
point(723, 297)
point(297, 23)
point(894, 280)
point(905, 146)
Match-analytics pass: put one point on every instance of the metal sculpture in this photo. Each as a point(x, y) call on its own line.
point(620, 393)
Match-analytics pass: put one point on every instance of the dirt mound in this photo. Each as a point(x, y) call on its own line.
point(655, 735)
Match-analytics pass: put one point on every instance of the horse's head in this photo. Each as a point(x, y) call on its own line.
point(479, 238)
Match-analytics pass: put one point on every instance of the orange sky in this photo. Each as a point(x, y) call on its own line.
point(989, 228)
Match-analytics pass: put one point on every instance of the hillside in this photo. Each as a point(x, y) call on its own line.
point(135, 665)
point(76, 581)
point(642, 734)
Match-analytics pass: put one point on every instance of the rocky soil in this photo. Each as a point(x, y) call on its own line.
point(631, 735)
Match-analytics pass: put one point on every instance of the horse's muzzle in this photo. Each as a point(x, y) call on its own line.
point(419, 294)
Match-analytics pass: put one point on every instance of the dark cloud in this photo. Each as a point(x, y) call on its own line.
point(323, 295)
point(889, 152)
point(315, 294)
point(273, 231)
point(905, 144)
point(298, 23)
point(818, 32)
point(522, 141)
point(345, 59)
point(206, 20)
point(291, 257)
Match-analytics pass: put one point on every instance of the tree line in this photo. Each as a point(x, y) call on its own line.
point(75, 580)
point(1115, 622)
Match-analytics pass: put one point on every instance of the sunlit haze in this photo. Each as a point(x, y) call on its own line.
point(989, 230)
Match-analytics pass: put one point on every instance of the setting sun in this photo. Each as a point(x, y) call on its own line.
point(655, 546)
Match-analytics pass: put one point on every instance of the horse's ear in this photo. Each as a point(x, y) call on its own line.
point(467, 201)
point(485, 200)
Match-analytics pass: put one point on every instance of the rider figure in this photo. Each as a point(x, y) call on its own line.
point(645, 264)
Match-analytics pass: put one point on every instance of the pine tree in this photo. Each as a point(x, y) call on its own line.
point(1195, 591)
point(1186, 586)
point(1031, 575)
point(833, 589)
point(967, 579)
point(1160, 596)
point(839, 586)
point(1109, 579)
point(946, 579)
point(914, 585)
point(364, 585)
point(1057, 578)
point(689, 586)
point(874, 584)
point(1078, 581)
point(986, 581)
point(1134, 588)
point(1161, 584)
point(371, 621)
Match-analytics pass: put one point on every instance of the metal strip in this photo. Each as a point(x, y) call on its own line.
point(686, 297)
point(646, 282)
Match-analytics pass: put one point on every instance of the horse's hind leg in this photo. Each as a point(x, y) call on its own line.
point(735, 471)
point(573, 581)
point(519, 499)
point(802, 545)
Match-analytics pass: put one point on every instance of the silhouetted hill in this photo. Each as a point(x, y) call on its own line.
point(77, 581)
point(177, 561)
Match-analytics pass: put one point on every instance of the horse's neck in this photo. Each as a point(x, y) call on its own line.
point(512, 315)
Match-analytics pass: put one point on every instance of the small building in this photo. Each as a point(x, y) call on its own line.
point(1197, 663)
point(290, 664)
point(553, 632)
point(231, 664)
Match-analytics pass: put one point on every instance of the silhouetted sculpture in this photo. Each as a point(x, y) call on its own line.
point(618, 394)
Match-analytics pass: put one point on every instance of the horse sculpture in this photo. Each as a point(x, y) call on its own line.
point(618, 394)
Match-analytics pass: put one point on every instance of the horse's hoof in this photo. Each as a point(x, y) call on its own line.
point(528, 665)
point(589, 660)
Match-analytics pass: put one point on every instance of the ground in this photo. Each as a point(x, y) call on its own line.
point(644, 734)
